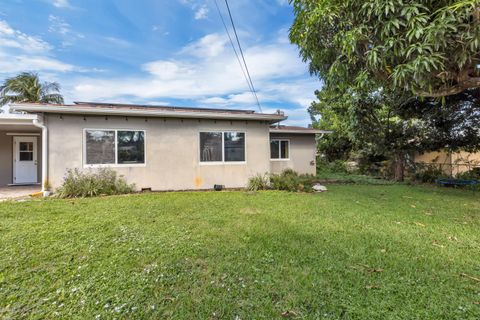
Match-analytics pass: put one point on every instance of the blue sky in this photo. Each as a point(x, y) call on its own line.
point(173, 52)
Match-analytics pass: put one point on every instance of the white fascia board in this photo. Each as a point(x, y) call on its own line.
point(144, 113)
point(300, 131)
point(17, 119)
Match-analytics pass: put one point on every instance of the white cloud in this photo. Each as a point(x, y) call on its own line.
point(167, 70)
point(210, 75)
point(208, 46)
point(9, 64)
point(199, 7)
point(21, 52)
point(118, 41)
point(201, 13)
point(61, 3)
point(15, 39)
point(282, 2)
point(61, 27)
point(58, 25)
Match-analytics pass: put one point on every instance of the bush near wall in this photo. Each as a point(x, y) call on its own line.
point(92, 183)
point(427, 173)
point(288, 180)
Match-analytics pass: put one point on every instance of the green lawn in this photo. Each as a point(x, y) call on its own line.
point(355, 252)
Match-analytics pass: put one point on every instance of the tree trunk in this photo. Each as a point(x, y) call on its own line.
point(399, 167)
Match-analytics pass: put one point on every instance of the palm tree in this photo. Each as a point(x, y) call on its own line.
point(26, 87)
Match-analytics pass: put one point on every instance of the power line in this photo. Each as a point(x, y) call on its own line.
point(241, 53)
point(249, 80)
point(233, 47)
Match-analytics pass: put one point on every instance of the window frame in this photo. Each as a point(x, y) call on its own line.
point(116, 164)
point(280, 149)
point(223, 162)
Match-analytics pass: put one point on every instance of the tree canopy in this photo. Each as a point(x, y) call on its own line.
point(430, 48)
point(26, 87)
point(376, 127)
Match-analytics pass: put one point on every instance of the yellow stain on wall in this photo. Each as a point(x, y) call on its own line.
point(198, 182)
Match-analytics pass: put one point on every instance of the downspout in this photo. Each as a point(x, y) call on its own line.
point(39, 123)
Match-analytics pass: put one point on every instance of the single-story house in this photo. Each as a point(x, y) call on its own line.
point(154, 147)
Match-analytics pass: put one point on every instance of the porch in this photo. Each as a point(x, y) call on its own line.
point(18, 192)
point(20, 154)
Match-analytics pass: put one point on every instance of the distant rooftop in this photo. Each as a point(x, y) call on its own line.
point(157, 107)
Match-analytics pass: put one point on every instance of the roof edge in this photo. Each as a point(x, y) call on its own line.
point(300, 131)
point(174, 113)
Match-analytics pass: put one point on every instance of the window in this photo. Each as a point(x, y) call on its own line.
point(131, 147)
point(234, 145)
point(279, 149)
point(26, 151)
point(222, 146)
point(114, 147)
point(210, 146)
point(100, 147)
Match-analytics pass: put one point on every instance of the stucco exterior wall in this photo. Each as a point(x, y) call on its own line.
point(172, 151)
point(451, 163)
point(6, 158)
point(302, 153)
point(6, 163)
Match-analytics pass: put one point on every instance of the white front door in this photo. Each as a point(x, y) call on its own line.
point(24, 160)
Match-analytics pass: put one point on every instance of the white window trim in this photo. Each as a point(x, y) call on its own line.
point(223, 162)
point(280, 150)
point(116, 164)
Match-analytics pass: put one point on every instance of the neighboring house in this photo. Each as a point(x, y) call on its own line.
point(451, 163)
point(157, 148)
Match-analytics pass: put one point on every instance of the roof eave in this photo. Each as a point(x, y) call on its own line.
point(272, 118)
point(300, 131)
point(17, 119)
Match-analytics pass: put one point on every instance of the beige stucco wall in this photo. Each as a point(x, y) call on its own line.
point(6, 157)
point(302, 152)
point(6, 163)
point(451, 163)
point(172, 151)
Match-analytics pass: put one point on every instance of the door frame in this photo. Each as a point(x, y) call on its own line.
point(16, 139)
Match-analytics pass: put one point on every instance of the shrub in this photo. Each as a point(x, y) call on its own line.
point(473, 174)
point(259, 182)
point(91, 183)
point(427, 173)
point(337, 166)
point(290, 180)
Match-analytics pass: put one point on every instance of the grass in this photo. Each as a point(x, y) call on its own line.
point(340, 177)
point(354, 252)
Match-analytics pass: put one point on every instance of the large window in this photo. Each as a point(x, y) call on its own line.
point(114, 147)
point(222, 146)
point(279, 149)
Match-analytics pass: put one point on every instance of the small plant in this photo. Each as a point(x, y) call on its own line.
point(78, 184)
point(259, 182)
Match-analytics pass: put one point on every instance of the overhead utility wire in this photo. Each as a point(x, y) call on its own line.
point(233, 47)
point(251, 86)
point(243, 57)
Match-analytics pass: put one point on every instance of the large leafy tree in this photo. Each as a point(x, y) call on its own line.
point(427, 47)
point(27, 87)
point(387, 126)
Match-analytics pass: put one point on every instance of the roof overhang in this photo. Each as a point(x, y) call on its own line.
point(299, 131)
point(17, 119)
point(145, 112)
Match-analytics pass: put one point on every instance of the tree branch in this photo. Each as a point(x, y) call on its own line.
point(466, 83)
